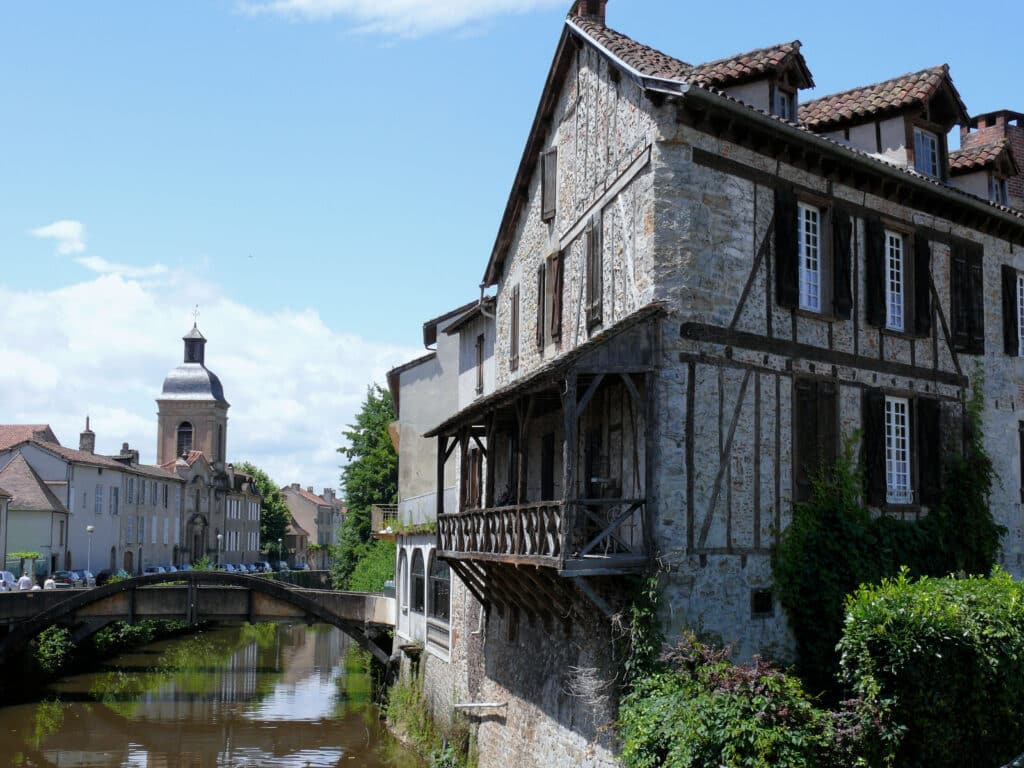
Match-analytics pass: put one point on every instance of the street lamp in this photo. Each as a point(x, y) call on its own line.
point(280, 551)
point(220, 538)
point(88, 563)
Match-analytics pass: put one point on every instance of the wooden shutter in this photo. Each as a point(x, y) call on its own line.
point(806, 430)
point(557, 270)
point(513, 344)
point(595, 269)
point(1011, 340)
point(959, 301)
point(928, 443)
point(842, 296)
point(787, 270)
point(922, 284)
point(874, 445)
point(816, 431)
point(976, 283)
point(539, 330)
point(874, 271)
point(549, 184)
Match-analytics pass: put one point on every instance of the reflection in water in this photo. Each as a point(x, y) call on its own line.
point(250, 696)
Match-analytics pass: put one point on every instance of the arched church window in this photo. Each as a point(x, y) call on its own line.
point(403, 586)
point(418, 582)
point(184, 438)
point(440, 588)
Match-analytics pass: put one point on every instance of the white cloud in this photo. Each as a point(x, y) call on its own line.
point(104, 267)
point(407, 18)
point(69, 234)
point(103, 347)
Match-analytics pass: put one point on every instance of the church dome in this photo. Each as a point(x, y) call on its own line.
point(192, 381)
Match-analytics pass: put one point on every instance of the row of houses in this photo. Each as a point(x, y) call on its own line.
point(81, 509)
point(703, 285)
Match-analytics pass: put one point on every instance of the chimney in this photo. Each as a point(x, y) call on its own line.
point(998, 125)
point(309, 489)
point(129, 454)
point(295, 487)
point(328, 494)
point(87, 439)
point(590, 9)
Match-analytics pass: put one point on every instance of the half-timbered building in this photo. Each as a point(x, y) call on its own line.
point(705, 285)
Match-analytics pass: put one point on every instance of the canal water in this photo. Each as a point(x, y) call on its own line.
point(266, 695)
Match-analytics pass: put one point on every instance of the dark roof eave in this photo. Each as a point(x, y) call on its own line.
point(869, 164)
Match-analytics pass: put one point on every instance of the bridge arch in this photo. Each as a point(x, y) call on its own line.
point(352, 613)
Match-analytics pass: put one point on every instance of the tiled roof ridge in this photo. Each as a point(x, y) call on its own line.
point(939, 69)
point(644, 58)
point(18, 469)
point(874, 98)
point(979, 154)
point(751, 64)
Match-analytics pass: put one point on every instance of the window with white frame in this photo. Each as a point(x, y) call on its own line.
point(897, 451)
point(997, 190)
point(99, 500)
point(167, 531)
point(128, 530)
point(142, 529)
point(1020, 313)
point(926, 152)
point(113, 499)
point(153, 531)
point(785, 104)
point(131, 490)
point(809, 239)
point(177, 531)
point(895, 281)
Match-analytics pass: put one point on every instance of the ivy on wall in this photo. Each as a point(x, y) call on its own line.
point(834, 544)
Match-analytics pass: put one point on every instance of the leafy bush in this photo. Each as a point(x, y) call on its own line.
point(121, 635)
point(705, 712)
point(376, 564)
point(53, 649)
point(949, 654)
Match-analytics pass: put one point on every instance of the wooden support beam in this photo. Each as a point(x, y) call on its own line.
point(489, 489)
point(570, 455)
point(594, 597)
point(547, 585)
point(442, 446)
point(467, 578)
point(581, 406)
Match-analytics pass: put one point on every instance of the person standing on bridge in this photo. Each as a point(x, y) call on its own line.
point(49, 583)
point(4, 586)
point(25, 582)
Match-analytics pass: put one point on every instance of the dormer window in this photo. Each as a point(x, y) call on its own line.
point(785, 104)
point(997, 190)
point(926, 152)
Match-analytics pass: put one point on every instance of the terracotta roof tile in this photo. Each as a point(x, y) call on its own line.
point(12, 434)
point(869, 100)
point(723, 72)
point(748, 66)
point(76, 456)
point(976, 156)
point(29, 492)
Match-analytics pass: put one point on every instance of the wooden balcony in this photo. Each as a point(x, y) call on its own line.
point(577, 538)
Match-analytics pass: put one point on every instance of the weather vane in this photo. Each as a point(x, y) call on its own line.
point(195, 316)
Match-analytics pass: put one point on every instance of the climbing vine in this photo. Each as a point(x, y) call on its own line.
point(834, 544)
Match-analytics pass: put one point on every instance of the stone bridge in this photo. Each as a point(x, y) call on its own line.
point(195, 596)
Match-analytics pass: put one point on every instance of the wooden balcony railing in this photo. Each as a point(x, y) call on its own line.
point(568, 536)
point(527, 530)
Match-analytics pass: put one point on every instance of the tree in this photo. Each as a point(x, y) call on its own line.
point(274, 514)
point(370, 477)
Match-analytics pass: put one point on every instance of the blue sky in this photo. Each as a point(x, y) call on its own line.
point(321, 175)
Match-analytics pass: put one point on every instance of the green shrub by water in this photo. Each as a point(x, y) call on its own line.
point(949, 654)
point(53, 649)
point(702, 711)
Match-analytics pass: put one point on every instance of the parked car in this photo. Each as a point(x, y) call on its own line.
point(229, 568)
point(88, 579)
point(185, 567)
point(67, 579)
point(9, 578)
point(263, 566)
point(107, 574)
point(279, 565)
point(169, 568)
point(151, 569)
point(300, 567)
point(246, 568)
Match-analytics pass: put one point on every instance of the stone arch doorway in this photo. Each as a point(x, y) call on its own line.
point(129, 561)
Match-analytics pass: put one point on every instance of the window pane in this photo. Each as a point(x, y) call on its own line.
point(808, 233)
point(897, 451)
point(894, 291)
